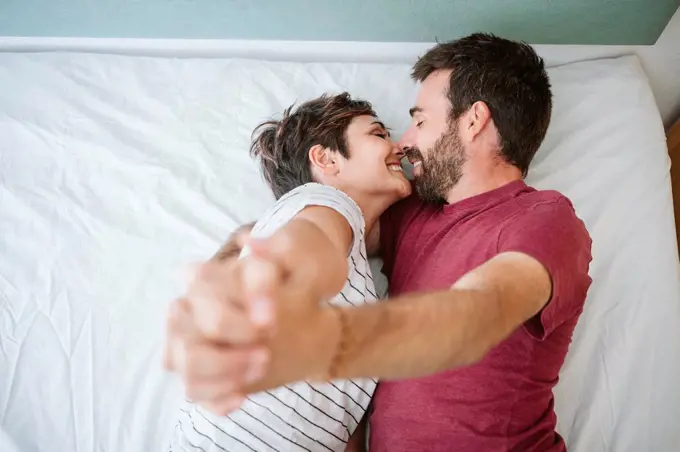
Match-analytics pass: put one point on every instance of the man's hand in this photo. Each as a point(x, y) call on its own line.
point(198, 362)
point(248, 325)
point(214, 370)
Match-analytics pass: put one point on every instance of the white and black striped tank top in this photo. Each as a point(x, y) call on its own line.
point(302, 416)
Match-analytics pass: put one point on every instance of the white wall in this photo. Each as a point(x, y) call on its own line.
point(661, 61)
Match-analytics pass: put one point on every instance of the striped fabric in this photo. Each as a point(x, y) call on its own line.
point(302, 416)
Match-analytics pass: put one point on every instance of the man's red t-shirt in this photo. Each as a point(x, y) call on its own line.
point(505, 401)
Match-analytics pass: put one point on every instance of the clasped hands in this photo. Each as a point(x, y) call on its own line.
point(247, 325)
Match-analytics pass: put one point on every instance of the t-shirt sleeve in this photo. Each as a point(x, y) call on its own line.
point(312, 194)
point(551, 233)
point(392, 223)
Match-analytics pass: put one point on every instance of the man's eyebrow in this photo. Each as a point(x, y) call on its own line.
point(414, 110)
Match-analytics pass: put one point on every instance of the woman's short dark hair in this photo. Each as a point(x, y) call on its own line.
point(283, 146)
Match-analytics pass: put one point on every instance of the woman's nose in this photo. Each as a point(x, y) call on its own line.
point(398, 150)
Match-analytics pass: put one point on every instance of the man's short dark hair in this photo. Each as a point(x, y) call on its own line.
point(283, 145)
point(506, 75)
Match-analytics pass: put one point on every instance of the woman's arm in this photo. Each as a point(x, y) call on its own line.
point(320, 239)
point(315, 246)
point(321, 236)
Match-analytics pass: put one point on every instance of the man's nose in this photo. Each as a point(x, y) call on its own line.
point(406, 141)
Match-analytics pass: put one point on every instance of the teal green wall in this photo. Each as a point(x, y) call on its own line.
point(535, 21)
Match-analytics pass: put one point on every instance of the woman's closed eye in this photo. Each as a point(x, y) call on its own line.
point(379, 130)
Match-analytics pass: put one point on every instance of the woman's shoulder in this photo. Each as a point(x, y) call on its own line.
point(313, 194)
point(315, 188)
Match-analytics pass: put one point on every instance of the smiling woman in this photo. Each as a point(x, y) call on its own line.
point(333, 140)
point(373, 168)
point(334, 169)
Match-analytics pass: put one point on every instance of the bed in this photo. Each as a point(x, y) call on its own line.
point(117, 171)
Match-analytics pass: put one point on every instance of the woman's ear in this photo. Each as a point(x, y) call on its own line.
point(324, 160)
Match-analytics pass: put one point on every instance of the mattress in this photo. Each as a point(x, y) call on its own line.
point(116, 172)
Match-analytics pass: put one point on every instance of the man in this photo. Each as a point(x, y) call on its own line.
point(488, 277)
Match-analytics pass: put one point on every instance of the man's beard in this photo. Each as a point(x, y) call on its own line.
point(442, 169)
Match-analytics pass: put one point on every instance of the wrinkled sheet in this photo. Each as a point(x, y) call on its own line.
point(117, 171)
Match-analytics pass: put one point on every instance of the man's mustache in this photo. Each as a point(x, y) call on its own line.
point(413, 153)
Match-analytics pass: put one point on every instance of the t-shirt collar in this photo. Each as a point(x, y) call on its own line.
point(495, 196)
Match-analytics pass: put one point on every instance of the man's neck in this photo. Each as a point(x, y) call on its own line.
point(476, 182)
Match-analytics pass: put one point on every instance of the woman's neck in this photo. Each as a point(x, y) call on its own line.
point(372, 207)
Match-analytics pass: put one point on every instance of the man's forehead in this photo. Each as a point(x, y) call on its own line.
point(432, 95)
point(435, 85)
point(438, 77)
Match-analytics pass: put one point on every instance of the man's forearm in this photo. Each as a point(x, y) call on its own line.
point(419, 335)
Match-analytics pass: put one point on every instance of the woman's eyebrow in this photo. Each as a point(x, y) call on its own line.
point(382, 126)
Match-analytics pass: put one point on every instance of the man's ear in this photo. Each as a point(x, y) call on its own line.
point(475, 120)
point(324, 160)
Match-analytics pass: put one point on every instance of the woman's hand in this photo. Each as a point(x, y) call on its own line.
point(248, 325)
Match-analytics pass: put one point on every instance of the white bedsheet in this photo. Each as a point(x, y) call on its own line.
point(116, 172)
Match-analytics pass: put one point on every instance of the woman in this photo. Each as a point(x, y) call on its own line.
point(334, 170)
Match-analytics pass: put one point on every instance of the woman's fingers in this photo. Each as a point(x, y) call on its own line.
point(219, 304)
point(224, 405)
point(200, 361)
point(215, 375)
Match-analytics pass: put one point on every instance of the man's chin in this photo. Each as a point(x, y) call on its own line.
point(426, 192)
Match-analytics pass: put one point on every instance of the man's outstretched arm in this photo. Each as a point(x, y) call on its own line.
point(538, 280)
point(415, 335)
point(421, 334)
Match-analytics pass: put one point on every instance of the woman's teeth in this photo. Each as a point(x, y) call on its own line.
point(395, 167)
